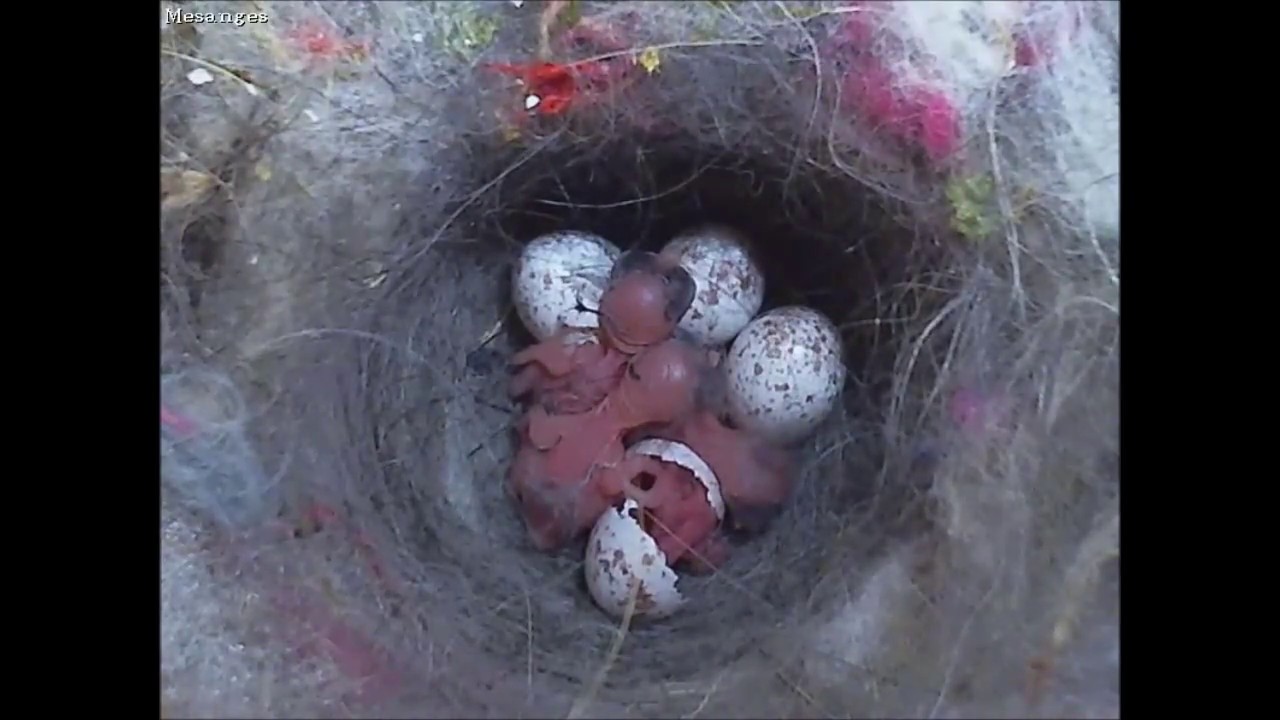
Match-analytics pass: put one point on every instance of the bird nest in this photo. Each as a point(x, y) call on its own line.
point(337, 432)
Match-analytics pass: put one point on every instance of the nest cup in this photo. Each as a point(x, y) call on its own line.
point(381, 394)
point(428, 385)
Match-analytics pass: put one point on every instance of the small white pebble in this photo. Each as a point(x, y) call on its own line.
point(531, 102)
point(311, 115)
point(199, 76)
point(418, 37)
point(253, 260)
point(518, 3)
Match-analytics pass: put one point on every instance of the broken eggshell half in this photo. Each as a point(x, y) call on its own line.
point(619, 551)
point(684, 456)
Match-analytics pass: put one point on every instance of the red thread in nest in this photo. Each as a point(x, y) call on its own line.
point(355, 656)
point(918, 114)
point(1034, 41)
point(179, 424)
point(552, 88)
point(322, 42)
point(320, 515)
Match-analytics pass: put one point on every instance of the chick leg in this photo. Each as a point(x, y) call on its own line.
point(528, 378)
point(555, 354)
point(544, 431)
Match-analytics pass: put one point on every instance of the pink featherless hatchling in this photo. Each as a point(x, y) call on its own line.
point(573, 370)
point(558, 475)
point(680, 502)
point(755, 474)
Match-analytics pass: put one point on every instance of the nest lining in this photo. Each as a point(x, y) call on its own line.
point(430, 394)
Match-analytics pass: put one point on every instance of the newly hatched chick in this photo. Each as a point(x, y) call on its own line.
point(568, 373)
point(641, 306)
point(756, 476)
point(556, 473)
point(556, 488)
point(677, 513)
point(647, 296)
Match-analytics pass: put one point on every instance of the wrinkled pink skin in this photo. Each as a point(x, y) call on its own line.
point(646, 297)
point(570, 468)
point(557, 499)
point(755, 476)
point(567, 377)
point(678, 516)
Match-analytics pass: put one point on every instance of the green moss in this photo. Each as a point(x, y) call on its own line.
point(971, 213)
point(464, 31)
point(570, 16)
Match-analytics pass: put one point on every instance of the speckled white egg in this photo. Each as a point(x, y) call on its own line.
point(554, 274)
point(730, 283)
point(785, 372)
point(620, 551)
point(684, 456)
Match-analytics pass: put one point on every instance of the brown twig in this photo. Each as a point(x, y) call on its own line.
point(580, 705)
point(545, 21)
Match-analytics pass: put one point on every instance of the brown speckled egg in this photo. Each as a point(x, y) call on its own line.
point(785, 372)
point(730, 286)
point(555, 273)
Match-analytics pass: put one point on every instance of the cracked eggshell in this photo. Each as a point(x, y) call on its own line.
point(618, 550)
point(555, 272)
point(730, 284)
point(785, 372)
point(684, 456)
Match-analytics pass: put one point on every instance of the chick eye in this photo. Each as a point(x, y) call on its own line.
point(631, 372)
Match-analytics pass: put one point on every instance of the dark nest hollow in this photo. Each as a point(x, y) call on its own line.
point(401, 402)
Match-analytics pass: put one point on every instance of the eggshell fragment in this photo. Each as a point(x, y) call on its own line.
point(684, 456)
point(557, 272)
point(730, 284)
point(785, 372)
point(618, 551)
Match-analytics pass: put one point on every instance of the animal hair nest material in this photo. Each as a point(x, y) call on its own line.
point(344, 188)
